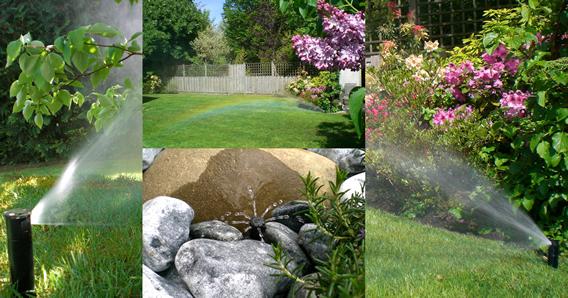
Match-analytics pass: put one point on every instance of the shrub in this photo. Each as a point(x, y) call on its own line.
point(322, 90)
point(152, 83)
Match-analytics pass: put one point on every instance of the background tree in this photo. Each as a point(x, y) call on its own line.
point(169, 28)
point(211, 46)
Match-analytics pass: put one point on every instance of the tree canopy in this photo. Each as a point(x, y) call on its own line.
point(211, 46)
point(169, 28)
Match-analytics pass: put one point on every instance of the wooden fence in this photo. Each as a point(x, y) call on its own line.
point(255, 78)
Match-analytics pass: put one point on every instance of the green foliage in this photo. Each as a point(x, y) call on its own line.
point(211, 46)
point(322, 90)
point(20, 141)
point(50, 73)
point(356, 103)
point(169, 28)
point(343, 274)
point(257, 31)
point(307, 8)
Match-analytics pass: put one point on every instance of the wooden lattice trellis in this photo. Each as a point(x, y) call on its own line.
point(448, 21)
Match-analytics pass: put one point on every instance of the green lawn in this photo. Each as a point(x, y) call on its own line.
point(247, 121)
point(72, 261)
point(407, 259)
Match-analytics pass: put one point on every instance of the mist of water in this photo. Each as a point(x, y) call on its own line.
point(101, 183)
point(449, 182)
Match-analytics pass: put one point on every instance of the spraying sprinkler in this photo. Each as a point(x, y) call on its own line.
point(553, 253)
point(20, 250)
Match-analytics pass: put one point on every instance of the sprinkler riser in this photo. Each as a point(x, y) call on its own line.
point(20, 250)
point(553, 253)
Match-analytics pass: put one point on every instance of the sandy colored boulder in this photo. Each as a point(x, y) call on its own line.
point(217, 181)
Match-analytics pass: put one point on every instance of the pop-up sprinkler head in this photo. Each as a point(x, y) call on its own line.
point(553, 253)
point(20, 250)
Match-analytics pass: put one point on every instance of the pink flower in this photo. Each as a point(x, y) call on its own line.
point(513, 103)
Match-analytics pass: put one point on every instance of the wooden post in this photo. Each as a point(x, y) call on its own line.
point(205, 69)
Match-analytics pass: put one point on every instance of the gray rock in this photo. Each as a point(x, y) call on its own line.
point(349, 160)
point(172, 275)
point(314, 242)
point(300, 290)
point(296, 213)
point(216, 230)
point(213, 268)
point(148, 156)
point(166, 224)
point(354, 184)
point(288, 240)
point(155, 286)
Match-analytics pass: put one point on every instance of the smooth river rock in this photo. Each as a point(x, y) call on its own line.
point(316, 244)
point(354, 184)
point(217, 181)
point(278, 233)
point(166, 223)
point(148, 156)
point(349, 160)
point(155, 286)
point(216, 230)
point(296, 212)
point(220, 269)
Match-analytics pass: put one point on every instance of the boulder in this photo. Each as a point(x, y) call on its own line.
point(349, 160)
point(166, 223)
point(277, 233)
point(148, 156)
point(219, 181)
point(292, 214)
point(314, 242)
point(155, 286)
point(216, 230)
point(213, 268)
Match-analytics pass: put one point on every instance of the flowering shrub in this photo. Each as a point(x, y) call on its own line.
point(376, 111)
point(507, 87)
point(152, 83)
point(322, 90)
point(344, 45)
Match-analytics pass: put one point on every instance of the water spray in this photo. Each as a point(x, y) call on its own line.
point(553, 253)
point(20, 250)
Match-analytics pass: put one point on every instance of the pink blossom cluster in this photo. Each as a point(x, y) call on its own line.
point(444, 116)
point(376, 113)
point(313, 92)
point(344, 45)
point(484, 80)
point(513, 103)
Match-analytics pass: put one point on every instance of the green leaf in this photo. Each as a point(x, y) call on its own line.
point(99, 76)
point(76, 37)
point(542, 98)
point(489, 39)
point(533, 4)
point(15, 88)
point(560, 142)
point(78, 98)
point(28, 64)
point(356, 102)
point(312, 3)
point(28, 110)
point(284, 5)
point(543, 150)
point(54, 106)
point(47, 70)
point(560, 77)
point(134, 47)
point(303, 12)
point(64, 97)
point(561, 114)
point(81, 61)
point(56, 62)
point(134, 36)
point(18, 105)
point(38, 119)
point(535, 140)
point(13, 51)
point(528, 204)
point(103, 30)
point(59, 44)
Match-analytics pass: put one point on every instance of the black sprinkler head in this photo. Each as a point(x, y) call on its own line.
point(553, 253)
point(20, 250)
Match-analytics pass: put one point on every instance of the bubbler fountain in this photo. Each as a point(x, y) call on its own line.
point(20, 250)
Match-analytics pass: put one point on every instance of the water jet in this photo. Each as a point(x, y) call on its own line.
point(20, 250)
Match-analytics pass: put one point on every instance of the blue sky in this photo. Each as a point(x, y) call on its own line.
point(215, 8)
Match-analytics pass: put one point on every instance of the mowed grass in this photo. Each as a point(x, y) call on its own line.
point(241, 121)
point(407, 259)
point(73, 261)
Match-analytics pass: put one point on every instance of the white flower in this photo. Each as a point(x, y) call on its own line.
point(413, 61)
point(431, 46)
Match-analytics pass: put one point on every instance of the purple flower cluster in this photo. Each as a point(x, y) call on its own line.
point(485, 81)
point(443, 116)
point(513, 103)
point(344, 45)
